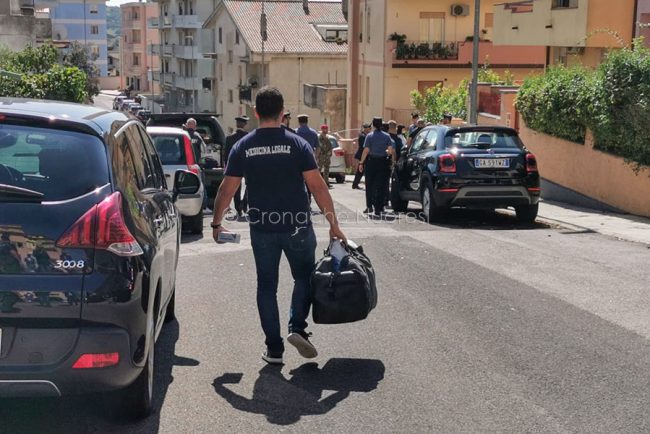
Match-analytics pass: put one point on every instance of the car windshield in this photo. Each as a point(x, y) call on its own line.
point(58, 164)
point(170, 148)
point(482, 140)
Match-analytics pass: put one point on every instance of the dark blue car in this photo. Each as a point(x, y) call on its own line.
point(89, 240)
point(483, 167)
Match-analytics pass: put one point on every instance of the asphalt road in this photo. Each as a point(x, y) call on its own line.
point(483, 325)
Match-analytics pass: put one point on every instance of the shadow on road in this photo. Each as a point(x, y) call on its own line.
point(480, 219)
point(284, 401)
point(91, 413)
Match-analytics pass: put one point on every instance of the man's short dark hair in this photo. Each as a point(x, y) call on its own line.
point(269, 103)
point(415, 115)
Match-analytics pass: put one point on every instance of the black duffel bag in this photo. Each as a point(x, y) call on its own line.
point(346, 293)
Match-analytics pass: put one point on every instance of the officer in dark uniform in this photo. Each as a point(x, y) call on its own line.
point(286, 120)
point(357, 155)
point(240, 205)
point(376, 158)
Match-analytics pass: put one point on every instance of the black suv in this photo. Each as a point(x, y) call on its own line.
point(470, 167)
point(89, 240)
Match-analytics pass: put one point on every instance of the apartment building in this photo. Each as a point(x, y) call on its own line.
point(184, 75)
point(575, 31)
point(306, 43)
point(19, 26)
point(83, 21)
point(397, 46)
point(137, 40)
point(642, 27)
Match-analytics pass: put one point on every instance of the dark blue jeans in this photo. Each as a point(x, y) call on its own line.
point(300, 248)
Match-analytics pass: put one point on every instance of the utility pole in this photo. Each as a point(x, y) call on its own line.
point(264, 35)
point(152, 82)
point(473, 94)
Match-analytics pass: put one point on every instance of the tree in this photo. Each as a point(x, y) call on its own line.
point(78, 56)
point(438, 100)
point(41, 76)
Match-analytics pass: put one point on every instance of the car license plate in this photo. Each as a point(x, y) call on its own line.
point(492, 163)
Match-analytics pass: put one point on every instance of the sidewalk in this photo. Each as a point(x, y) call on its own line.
point(110, 92)
point(622, 226)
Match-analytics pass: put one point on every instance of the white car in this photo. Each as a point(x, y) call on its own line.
point(175, 150)
point(337, 163)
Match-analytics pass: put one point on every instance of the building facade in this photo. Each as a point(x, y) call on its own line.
point(136, 45)
point(575, 31)
point(83, 21)
point(642, 24)
point(402, 45)
point(307, 43)
point(185, 77)
point(19, 26)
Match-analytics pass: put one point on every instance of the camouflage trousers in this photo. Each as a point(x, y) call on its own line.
point(324, 167)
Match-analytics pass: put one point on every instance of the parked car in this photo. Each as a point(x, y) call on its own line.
point(117, 102)
point(469, 167)
point(210, 129)
point(143, 115)
point(135, 108)
point(337, 162)
point(89, 242)
point(125, 103)
point(175, 149)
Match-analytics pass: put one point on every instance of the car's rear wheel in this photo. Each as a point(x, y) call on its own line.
point(340, 178)
point(398, 204)
point(136, 401)
point(527, 213)
point(432, 213)
point(170, 313)
point(196, 223)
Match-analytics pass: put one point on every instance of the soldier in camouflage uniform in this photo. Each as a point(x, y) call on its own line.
point(324, 153)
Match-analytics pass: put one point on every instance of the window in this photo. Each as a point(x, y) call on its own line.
point(136, 36)
point(229, 56)
point(230, 98)
point(220, 35)
point(368, 24)
point(220, 72)
point(432, 138)
point(332, 35)
point(94, 51)
point(94, 9)
point(191, 8)
point(237, 37)
point(136, 59)
point(367, 90)
point(94, 30)
point(157, 170)
point(143, 171)
point(207, 84)
point(474, 139)
point(432, 26)
point(420, 142)
point(240, 74)
point(558, 4)
point(489, 20)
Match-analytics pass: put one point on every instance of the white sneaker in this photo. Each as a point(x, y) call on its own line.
point(300, 340)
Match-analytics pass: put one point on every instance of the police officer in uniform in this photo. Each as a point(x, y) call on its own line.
point(357, 156)
point(240, 205)
point(286, 121)
point(376, 159)
point(324, 153)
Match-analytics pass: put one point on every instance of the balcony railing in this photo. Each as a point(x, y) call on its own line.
point(187, 22)
point(165, 22)
point(424, 50)
point(414, 54)
point(153, 23)
point(187, 52)
point(168, 50)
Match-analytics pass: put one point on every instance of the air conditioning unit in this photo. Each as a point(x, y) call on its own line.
point(577, 51)
point(459, 10)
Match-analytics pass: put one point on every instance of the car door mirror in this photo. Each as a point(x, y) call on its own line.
point(185, 182)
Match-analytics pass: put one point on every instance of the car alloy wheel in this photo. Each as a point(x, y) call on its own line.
point(426, 204)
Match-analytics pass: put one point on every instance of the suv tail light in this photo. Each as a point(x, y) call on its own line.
point(192, 164)
point(102, 227)
point(531, 163)
point(447, 163)
point(339, 152)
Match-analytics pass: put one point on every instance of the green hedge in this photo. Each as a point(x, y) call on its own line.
point(613, 101)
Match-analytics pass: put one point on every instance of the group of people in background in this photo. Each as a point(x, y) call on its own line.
point(380, 145)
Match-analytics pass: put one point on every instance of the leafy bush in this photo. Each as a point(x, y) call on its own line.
point(439, 100)
point(557, 103)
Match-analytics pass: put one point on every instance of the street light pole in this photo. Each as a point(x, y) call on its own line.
point(473, 105)
point(264, 35)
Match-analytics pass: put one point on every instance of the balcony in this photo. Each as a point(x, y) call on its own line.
point(187, 22)
point(153, 75)
point(187, 52)
point(541, 22)
point(208, 43)
point(188, 83)
point(132, 23)
point(134, 46)
point(420, 54)
point(168, 50)
point(165, 22)
point(153, 23)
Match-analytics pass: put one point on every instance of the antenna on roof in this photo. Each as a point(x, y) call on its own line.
point(305, 6)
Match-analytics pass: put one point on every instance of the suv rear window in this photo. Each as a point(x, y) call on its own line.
point(482, 140)
point(60, 164)
point(171, 148)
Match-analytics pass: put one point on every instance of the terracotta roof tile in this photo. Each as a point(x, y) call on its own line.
point(289, 28)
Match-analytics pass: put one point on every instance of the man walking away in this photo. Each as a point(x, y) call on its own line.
point(324, 153)
point(199, 149)
point(357, 156)
point(286, 121)
point(277, 165)
point(231, 140)
point(306, 132)
point(378, 152)
point(419, 127)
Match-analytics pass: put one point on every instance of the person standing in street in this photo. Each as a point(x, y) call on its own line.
point(377, 155)
point(324, 153)
point(277, 165)
point(231, 141)
point(365, 130)
point(415, 117)
point(200, 148)
point(286, 122)
point(306, 132)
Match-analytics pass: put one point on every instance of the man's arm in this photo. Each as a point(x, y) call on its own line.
point(364, 156)
point(321, 194)
point(227, 190)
